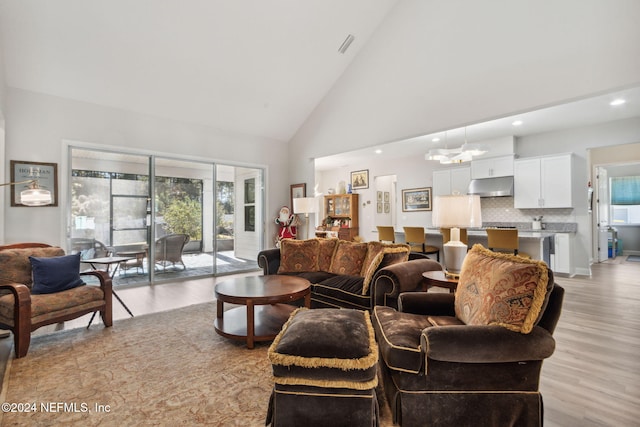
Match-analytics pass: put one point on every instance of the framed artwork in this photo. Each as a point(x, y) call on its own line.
point(297, 191)
point(386, 197)
point(386, 208)
point(45, 173)
point(379, 194)
point(360, 179)
point(416, 199)
point(379, 209)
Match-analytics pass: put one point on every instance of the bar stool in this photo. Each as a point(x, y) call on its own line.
point(504, 239)
point(386, 234)
point(414, 236)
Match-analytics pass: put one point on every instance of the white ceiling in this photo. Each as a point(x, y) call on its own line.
point(253, 67)
point(574, 114)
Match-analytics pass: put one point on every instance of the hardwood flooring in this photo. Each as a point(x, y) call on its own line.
point(592, 379)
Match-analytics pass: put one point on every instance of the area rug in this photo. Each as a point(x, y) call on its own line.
point(168, 368)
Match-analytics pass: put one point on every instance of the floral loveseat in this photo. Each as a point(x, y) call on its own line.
point(40, 286)
point(349, 274)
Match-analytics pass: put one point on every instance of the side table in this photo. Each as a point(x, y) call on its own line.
point(439, 279)
point(109, 261)
point(262, 310)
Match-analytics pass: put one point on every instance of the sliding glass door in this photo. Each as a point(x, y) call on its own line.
point(173, 219)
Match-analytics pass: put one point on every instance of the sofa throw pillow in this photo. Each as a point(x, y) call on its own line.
point(389, 255)
point(55, 274)
point(299, 255)
point(501, 289)
point(348, 258)
point(327, 248)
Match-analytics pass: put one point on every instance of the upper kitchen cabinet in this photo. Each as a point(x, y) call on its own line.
point(543, 182)
point(450, 181)
point(492, 167)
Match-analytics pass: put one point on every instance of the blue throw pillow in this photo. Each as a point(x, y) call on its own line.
point(55, 274)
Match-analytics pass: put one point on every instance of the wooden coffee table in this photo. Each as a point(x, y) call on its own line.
point(262, 312)
point(439, 279)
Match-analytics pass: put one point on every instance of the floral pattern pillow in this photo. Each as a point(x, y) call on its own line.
point(348, 258)
point(501, 289)
point(327, 248)
point(299, 255)
point(388, 256)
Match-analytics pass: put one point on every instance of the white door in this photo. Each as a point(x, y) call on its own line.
point(602, 212)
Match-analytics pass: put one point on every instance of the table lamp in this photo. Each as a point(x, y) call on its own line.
point(305, 205)
point(455, 212)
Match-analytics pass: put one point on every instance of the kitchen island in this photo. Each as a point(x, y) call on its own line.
point(539, 244)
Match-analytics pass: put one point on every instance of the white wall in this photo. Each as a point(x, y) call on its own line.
point(37, 125)
point(435, 65)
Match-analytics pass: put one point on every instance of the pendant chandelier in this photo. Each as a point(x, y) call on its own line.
point(461, 154)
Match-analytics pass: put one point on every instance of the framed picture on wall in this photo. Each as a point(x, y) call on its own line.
point(297, 191)
point(46, 175)
point(360, 179)
point(379, 208)
point(416, 199)
point(386, 208)
point(379, 194)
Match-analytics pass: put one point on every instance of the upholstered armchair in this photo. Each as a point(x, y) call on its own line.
point(46, 290)
point(474, 357)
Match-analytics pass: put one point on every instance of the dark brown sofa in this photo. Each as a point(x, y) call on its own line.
point(473, 358)
point(376, 285)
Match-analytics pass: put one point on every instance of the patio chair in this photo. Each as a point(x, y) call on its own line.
point(169, 250)
point(89, 248)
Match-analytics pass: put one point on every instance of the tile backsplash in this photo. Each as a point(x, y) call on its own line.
point(500, 209)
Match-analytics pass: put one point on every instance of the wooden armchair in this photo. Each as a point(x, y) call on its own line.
point(22, 311)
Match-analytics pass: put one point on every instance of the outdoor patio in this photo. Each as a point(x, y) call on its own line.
point(198, 265)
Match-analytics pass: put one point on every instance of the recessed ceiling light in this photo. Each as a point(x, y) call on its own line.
point(618, 101)
point(435, 140)
point(517, 123)
point(378, 151)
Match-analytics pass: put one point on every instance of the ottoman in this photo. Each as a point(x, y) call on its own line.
point(325, 370)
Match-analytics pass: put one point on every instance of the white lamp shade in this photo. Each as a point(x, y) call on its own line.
point(461, 211)
point(35, 197)
point(455, 212)
point(305, 205)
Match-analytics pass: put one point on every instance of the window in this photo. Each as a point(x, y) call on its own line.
point(625, 200)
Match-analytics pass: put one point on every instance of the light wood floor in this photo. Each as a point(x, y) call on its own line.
point(592, 379)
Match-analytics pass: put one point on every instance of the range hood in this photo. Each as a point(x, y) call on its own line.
point(492, 187)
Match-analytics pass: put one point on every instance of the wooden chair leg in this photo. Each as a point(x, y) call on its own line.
point(21, 343)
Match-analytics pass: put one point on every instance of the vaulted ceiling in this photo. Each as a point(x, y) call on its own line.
point(252, 66)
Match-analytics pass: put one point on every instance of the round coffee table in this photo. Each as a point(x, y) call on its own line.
point(439, 279)
point(262, 312)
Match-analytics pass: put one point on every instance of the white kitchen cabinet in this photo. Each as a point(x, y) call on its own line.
point(563, 252)
point(492, 167)
point(449, 181)
point(543, 182)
